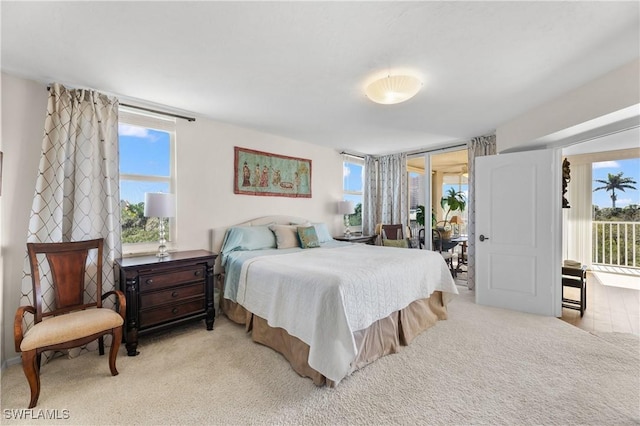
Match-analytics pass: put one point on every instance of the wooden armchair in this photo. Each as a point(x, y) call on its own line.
point(71, 322)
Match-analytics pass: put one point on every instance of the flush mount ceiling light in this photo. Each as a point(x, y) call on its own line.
point(393, 89)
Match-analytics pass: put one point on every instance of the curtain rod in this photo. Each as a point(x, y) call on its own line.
point(155, 111)
point(352, 155)
point(437, 149)
point(411, 153)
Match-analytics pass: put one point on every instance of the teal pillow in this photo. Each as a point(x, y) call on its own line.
point(245, 238)
point(396, 243)
point(308, 237)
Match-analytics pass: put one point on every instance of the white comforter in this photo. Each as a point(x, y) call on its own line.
point(322, 296)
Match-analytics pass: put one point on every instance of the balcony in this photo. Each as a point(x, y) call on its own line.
point(616, 247)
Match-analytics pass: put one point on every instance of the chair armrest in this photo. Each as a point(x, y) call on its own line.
point(17, 324)
point(121, 302)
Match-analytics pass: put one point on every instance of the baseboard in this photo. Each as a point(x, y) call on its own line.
point(10, 362)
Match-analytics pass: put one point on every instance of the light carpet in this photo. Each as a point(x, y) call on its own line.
point(481, 366)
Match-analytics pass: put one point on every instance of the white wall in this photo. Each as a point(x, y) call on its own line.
point(612, 92)
point(205, 198)
point(205, 180)
point(24, 105)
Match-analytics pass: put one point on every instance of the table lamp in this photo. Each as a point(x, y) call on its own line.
point(455, 223)
point(161, 205)
point(346, 208)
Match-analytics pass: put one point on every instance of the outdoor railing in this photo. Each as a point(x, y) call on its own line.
point(616, 243)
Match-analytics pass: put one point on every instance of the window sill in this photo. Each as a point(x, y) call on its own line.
point(143, 249)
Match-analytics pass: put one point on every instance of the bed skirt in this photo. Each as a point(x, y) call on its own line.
point(381, 338)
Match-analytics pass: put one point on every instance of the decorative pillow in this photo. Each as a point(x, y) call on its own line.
point(286, 236)
point(308, 237)
point(396, 243)
point(323, 232)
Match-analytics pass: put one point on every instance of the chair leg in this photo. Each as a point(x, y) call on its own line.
point(31, 368)
point(116, 335)
point(101, 345)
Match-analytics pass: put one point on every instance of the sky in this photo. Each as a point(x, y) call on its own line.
point(630, 168)
point(352, 181)
point(144, 152)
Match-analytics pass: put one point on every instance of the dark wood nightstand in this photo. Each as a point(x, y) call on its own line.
point(165, 292)
point(366, 239)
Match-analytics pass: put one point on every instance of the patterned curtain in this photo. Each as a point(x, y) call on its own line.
point(483, 145)
point(392, 184)
point(370, 196)
point(385, 194)
point(77, 189)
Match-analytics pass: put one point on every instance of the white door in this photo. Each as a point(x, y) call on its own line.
point(518, 238)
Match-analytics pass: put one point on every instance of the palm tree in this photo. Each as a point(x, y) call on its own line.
point(614, 182)
point(453, 200)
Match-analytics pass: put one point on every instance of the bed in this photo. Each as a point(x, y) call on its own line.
point(328, 307)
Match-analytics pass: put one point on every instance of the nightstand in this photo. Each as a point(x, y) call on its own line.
point(366, 239)
point(165, 292)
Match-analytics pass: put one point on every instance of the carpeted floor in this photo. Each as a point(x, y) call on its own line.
point(482, 366)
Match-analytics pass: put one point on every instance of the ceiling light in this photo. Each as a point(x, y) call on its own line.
point(393, 89)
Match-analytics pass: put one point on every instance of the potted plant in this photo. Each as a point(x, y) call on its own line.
point(453, 200)
point(420, 215)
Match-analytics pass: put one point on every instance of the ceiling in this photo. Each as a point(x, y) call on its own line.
point(452, 162)
point(297, 69)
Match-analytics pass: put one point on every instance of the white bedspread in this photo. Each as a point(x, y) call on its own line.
point(322, 296)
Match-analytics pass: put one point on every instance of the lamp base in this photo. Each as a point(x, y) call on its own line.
point(347, 231)
point(162, 248)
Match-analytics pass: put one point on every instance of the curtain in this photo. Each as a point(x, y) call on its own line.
point(483, 145)
point(370, 196)
point(577, 218)
point(385, 194)
point(77, 188)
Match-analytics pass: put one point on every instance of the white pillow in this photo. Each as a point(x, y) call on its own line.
point(286, 235)
point(323, 232)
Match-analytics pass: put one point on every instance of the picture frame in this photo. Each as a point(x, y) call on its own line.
point(273, 175)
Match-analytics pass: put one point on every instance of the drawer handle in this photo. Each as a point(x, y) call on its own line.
point(149, 281)
point(174, 294)
point(174, 311)
point(196, 273)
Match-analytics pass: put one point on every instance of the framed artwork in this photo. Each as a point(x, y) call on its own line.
point(265, 174)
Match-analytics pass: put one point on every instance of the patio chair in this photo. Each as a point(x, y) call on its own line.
point(437, 242)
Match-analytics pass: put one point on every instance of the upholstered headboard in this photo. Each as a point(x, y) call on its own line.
point(217, 234)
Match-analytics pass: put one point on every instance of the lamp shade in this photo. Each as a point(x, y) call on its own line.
point(456, 220)
point(345, 207)
point(393, 89)
point(159, 204)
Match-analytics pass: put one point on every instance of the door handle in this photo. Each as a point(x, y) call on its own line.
point(482, 237)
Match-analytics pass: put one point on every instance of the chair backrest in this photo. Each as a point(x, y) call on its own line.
point(421, 235)
point(392, 232)
point(436, 238)
point(67, 265)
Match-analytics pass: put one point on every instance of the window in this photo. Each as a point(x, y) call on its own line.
point(146, 165)
point(417, 193)
point(353, 186)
